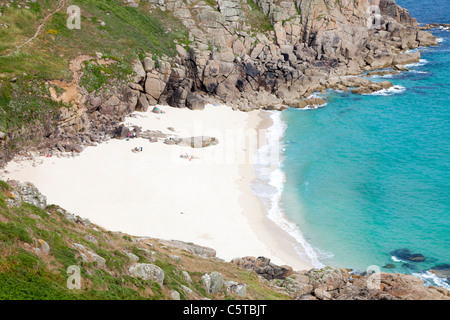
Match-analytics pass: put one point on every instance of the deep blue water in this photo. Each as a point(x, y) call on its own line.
point(369, 174)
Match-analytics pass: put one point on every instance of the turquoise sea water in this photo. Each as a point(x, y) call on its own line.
point(369, 174)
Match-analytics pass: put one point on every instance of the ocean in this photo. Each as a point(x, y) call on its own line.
point(366, 175)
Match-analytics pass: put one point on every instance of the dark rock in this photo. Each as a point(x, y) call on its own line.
point(121, 132)
point(405, 254)
point(250, 70)
point(417, 257)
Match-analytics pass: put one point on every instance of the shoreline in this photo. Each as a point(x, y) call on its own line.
point(155, 193)
point(279, 242)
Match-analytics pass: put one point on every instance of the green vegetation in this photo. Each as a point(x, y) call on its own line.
point(121, 33)
point(258, 21)
point(97, 76)
point(9, 232)
point(109, 27)
point(211, 3)
point(23, 102)
point(30, 269)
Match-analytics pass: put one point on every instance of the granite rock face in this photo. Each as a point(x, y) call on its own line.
point(213, 282)
point(343, 284)
point(273, 60)
point(28, 193)
point(263, 267)
point(312, 46)
point(148, 271)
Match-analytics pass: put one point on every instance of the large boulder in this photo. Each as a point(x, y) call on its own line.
point(263, 267)
point(121, 132)
point(148, 271)
point(142, 103)
point(139, 71)
point(195, 101)
point(154, 85)
point(213, 282)
point(406, 58)
point(239, 289)
point(328, 279)
point(30, 194)
point(426, 39)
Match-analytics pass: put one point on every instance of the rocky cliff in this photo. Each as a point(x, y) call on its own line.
point(309, 46)
point(47, 252)
point(248, 54)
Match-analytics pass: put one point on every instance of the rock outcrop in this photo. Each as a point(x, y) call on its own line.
point(312, 45)
point(263, 267)
point(341, 284)
point(148, 271)
point(114, 263)
point(267, 54)
point(28, 193)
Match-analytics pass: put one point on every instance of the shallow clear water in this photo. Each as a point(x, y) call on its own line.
point(368, 174)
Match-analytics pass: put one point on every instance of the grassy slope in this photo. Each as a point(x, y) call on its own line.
point(27, 274)
point(127, 33)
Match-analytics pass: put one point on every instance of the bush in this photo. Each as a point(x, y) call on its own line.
point(10, 232)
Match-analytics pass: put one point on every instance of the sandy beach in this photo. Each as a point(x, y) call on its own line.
point(204, 198)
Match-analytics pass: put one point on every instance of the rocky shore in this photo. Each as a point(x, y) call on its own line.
point(198, 268)
point(271, 61)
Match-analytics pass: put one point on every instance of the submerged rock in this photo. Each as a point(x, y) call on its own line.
point(405, 254)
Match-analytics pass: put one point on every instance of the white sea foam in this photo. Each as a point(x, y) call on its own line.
point(387, 92)
point(412, 50)
point(315, 95)
point(395, 259)
point(270, 184)
point(432, 279)
point(439, 40)
point(313, 107)
point(421, 62)
point(381, 76)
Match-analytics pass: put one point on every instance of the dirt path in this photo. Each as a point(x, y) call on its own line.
point(61, 5)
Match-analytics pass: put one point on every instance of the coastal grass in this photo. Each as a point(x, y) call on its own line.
point(109, 27)
point(28, 272)
point(255, 18)
point(119, 32)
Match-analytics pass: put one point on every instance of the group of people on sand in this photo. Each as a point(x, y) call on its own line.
point(186, 156)
point(131, 135)
point(137, 149)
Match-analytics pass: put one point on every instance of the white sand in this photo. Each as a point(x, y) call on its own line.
point(156, 193)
